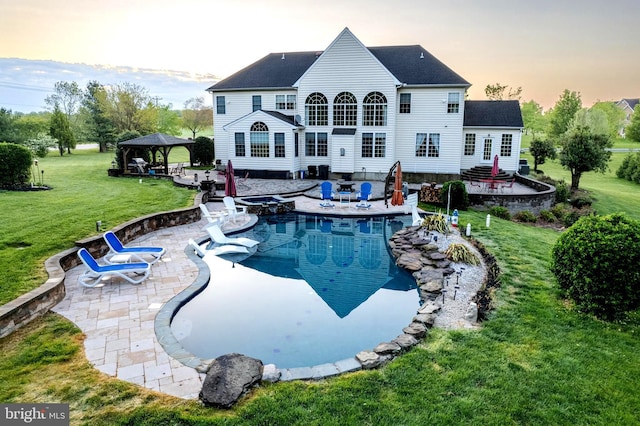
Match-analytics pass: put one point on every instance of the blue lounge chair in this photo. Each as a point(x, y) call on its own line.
point(326, 195)
point(116, 247)
point(364, 195)
point(96, 272)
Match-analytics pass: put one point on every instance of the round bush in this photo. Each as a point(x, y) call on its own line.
point(525, 216)
point(203, 151)
point(595, 262)
point(15, 165)
point(459, 196)
point(501, 212)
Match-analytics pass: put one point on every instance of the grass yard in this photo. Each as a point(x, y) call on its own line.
point(535, 362)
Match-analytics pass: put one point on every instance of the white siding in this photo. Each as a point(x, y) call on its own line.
point(509, 164)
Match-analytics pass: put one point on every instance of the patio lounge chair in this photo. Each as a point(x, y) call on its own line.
point(364, 195)
point(218, 237)
point(116, 247)
point(232, 210)
point(326, 195)
point(96, 272)
point(218, 218)
point(228, 249)
point(196, 248)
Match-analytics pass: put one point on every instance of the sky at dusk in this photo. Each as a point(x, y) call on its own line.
point(591, 46)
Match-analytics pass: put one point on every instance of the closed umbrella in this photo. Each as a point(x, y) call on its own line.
point(397, 199)
point(495, 169)
point(230, 183)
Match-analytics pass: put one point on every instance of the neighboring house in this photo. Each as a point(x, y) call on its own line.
point(627, 106)
point(358, 110)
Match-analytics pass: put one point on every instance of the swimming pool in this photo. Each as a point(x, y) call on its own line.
point(317, 290)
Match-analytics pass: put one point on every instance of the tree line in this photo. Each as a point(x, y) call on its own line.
point(579, 137)
point(102, 114)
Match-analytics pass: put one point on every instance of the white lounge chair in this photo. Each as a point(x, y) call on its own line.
point(228, 249)
point(196, 247)
point(96, 272)
point(232, 210)
point(116, 248)
point(218, 237)
point(218, 217)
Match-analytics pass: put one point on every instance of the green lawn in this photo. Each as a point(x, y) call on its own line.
point(535, 362)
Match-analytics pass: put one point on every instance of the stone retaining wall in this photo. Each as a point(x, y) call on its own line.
point(38, 301)
point(543, 199)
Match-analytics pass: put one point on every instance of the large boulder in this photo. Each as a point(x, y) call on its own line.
point(229, 378)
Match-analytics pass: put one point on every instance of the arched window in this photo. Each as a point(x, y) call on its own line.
point(374, 110)
point(316, 109)
point(259, 138)
point(345, 110)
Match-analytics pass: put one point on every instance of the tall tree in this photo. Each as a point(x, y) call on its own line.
point(632, 131)
point(584, 151)
point(101, 128)
point(562, 113)
point(168, 120)
point(615, 116)
point(130, 107)
point(60, 129)
point(594, 119)
point(532, 116)
point(68, 97)
point(196, 116)
point(496, 92)
point(8, 130)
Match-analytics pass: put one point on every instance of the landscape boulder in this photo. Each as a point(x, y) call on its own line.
point(229, 378)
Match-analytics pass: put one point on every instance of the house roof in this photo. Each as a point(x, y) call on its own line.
point(492, 114)
point(631, 102)
point(411, 65)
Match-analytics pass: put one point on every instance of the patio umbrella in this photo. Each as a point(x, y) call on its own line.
point(230, 183)
point(495, 169)
point(396, 199)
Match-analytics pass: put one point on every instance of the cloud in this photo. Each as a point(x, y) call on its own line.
point(24, 84)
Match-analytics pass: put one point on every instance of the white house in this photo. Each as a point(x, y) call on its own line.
point(353, 109)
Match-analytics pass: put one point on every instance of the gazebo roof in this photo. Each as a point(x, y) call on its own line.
point(157, 140)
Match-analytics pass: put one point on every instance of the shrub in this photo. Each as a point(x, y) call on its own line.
point(563, 191)
point(595, 263)
point(570, 218)
point(525, 216)
point(436, 222)
point(622, 170)
point(547, 216)
point(15, 164)
point(559, 210)
point(581, 200)
point(458, 252)
point(203, 151)
point(459, 196)
point(501, 212)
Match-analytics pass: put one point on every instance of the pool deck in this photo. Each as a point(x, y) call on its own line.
point(118, 318)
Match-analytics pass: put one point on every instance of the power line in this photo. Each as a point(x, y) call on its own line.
point(19, 86)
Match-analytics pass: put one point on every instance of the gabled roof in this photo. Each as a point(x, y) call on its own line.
point(274, 71)
point(492, 114)
point(411, 65)
point(157, 139)
point(631, 102)
point(287, 119)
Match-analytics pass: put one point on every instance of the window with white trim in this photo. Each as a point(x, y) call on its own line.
point(316, 144)
point(259, 139)
point(256, 101)
point(279, 150)
point(374, 110)
point(374, 145)
point(434, 145)
point(240, 147)
point(506, 146)
point(469, 144)
point(453, 103)
point(345, 110)
point(316, 109)
point(221, 107)
point(286, 102)
point(405, 103)
point(422, 142)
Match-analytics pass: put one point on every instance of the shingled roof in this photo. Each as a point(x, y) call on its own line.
point(411, 65)
point(492, 114)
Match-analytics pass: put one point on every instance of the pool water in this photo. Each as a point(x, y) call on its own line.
point(317, 290)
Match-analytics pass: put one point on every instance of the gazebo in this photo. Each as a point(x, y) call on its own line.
point(157, 142)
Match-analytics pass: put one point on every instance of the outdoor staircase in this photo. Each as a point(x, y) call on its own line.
point(483, 172)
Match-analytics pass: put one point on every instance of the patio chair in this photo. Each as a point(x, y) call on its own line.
point(509, 185)
point(218, 237)
point(116, 248)
point(96, 272)
point(326, 195)
point(412, 201)
point(232, 210)
point(364, 195)
point(218, 218)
